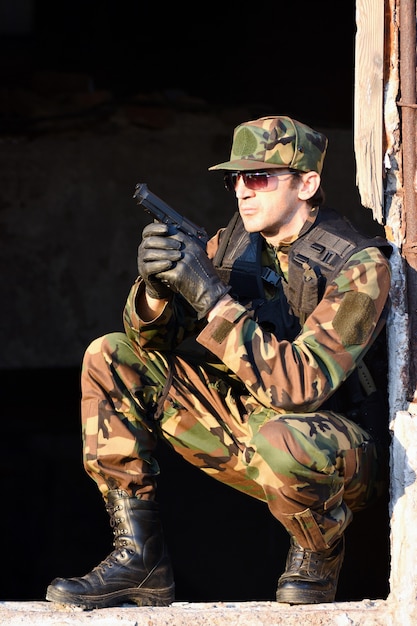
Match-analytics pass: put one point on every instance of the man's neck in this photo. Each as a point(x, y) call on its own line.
point(288, 231)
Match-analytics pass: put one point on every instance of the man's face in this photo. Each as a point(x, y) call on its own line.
point(274, 204)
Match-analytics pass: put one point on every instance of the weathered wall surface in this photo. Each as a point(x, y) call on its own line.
point(69, 228)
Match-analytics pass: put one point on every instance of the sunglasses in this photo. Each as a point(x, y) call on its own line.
point(256, 181)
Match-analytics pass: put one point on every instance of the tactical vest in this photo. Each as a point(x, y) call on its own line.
point(314, 259)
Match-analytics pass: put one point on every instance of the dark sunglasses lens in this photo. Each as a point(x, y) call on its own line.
point(230, 180)
point(256, 182)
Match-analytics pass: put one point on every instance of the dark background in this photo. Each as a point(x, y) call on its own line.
point(297, 57)
point(293, 58)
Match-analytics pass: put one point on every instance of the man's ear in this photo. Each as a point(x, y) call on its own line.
point(310, 182)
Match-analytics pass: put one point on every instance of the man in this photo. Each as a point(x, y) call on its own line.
point(281, 309)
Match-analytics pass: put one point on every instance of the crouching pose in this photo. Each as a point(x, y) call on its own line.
point(278, 312)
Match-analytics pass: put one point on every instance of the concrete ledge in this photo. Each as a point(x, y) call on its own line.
point(365, 613)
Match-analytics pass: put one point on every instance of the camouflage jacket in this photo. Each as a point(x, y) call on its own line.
point(280, 374)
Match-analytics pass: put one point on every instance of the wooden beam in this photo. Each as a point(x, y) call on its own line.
point(368, 104)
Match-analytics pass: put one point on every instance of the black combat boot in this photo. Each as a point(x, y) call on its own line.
point(311, 577)
point(138, 570)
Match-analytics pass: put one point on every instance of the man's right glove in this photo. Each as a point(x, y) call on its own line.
point(156, 253)
point(194, 276)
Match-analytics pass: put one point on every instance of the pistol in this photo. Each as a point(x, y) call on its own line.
point(161, 211)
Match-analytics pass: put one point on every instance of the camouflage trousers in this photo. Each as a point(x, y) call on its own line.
point(312, 469)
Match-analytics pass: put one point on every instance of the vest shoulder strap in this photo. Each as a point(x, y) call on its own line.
point(238, 260)
point(316, 257)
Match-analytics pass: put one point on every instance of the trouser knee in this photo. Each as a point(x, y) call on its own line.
point(304, 466)
point(307, 496)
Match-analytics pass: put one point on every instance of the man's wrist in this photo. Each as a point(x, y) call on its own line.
point(149, 308)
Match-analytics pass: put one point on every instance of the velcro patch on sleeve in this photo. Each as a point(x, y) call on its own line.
point(355, 318)
point(223, 329)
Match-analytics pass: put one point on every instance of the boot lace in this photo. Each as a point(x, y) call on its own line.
point(120, 543)
point(304, 561)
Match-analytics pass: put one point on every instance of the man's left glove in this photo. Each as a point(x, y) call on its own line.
point(194, 277)
point(157, 252)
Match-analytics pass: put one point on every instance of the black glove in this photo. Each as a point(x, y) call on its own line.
point(194, 276)
point(156, 253)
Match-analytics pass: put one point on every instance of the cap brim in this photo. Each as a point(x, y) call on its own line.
point(246, 164)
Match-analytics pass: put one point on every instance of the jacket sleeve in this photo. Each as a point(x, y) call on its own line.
point(177, 321)
point(301, 375)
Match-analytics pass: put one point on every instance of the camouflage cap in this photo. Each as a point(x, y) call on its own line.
point(274, 142)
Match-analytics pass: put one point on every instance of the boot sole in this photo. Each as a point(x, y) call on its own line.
point(140, 597)
point(295, 596)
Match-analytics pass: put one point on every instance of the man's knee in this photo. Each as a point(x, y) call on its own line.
point(296, 449)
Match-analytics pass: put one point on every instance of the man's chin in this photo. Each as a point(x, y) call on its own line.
point(250, 226)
